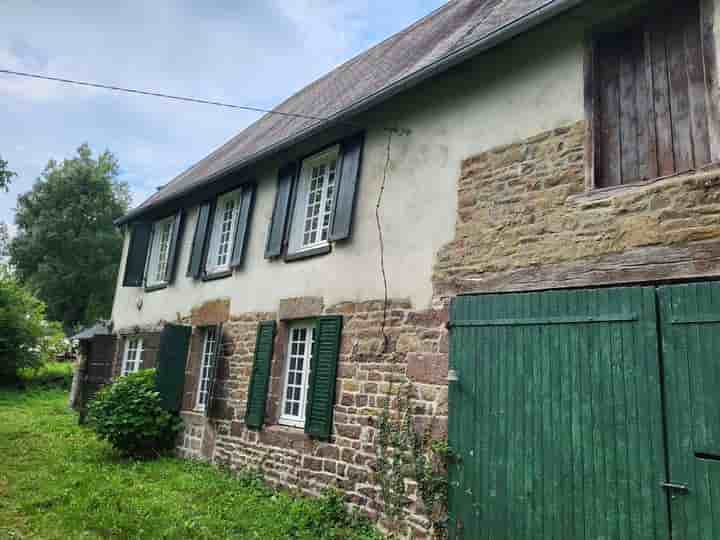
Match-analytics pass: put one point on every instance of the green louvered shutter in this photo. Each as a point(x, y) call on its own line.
point(195, 265)
point(323, 375)
point(171, 358)
point(257, 394)
point(140, 234)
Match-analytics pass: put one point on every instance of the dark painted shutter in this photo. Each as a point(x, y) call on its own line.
point(171, 358)
point(174, 248)
point(351, 155)
point(276, 232)
point(195, 266)
point(257, 394)
point(137, 254)
point(323, 375)
point(217, 356)
point(242, 225)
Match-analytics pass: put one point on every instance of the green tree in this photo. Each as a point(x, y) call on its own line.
point(5, 175)
point(66, 247)
point(22, 327)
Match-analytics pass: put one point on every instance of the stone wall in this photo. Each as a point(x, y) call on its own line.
point(416, 352)
point(526, 221)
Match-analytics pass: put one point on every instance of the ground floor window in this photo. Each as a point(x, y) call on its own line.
point(207, 365)
point(132, 358)
point(297, 374)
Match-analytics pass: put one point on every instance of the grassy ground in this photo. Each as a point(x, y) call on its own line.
point(58, 482)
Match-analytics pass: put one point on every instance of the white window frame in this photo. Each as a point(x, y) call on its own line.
point(134, 363)
point(223, 233)
point(290, 375)
point(159, 253)
point(299, 241)
point(207, 363)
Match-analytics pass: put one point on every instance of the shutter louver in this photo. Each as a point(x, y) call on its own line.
point(243, 224)
point(137, 254)
point(171, 358)
point(174, 248)
point(217, 357)
point(276, 232)
point(257, 392)
point(323, 377)
point(195, 266)
point(351, 154)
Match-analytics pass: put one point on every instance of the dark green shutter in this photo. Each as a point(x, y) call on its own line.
point(171, 358)
point(276, 232)
point(243, 224)
point(195, 265)
point(351, 154)
point(323, 376)
point(217, 356)
point(174, 248)
point(257, 394)
point(137, 254)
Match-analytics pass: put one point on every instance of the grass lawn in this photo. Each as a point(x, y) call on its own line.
point(58, 482)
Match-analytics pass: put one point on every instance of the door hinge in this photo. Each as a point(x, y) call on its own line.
point(675, 489)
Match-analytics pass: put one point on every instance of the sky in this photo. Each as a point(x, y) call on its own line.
point(246, 52)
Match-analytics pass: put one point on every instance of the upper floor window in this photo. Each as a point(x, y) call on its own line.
point(132, 357)
point(160, 251)
point(650, 112)
point(222, 237)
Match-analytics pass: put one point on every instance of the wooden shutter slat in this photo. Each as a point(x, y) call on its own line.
point(171, 358)
point(661, 99)
point(323, 376)
point(259, 379)
point(217, 357)
point(137, 254)
point(195, 266)
point(242, 225)
point(697, 91)
point(276, 231)
point(342, 217)
point(610, 165)
point(174, 248)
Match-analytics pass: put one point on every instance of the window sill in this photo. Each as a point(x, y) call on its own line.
point(308, 253)
point(217, 275)
point(156, 287)
point(291, 423)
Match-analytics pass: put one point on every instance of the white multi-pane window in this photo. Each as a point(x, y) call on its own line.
point(297, 374)
point(222, 238)
point(207, 365)
point(160, 251)
point(315, 201)
point(132, 357)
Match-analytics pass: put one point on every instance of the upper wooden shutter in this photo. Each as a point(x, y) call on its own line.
point(276, 232)
point(217, 357)
point(137, 254)
point(243, 224)
point(323, 376)
point(171, 358)
point(351, 155)
point(174, 248)
point(257, 392)
point(195, 266)
point(651, 112)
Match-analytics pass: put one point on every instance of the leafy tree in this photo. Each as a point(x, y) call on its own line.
point(22, 327)
point(66, 247)
point(4, 240)
point(5, 175)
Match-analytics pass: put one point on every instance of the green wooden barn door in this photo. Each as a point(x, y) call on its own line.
point(556, 417)
point(691, 358)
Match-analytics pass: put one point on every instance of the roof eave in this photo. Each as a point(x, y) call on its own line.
point(530, 20)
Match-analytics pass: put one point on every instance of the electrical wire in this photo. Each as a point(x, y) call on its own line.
point(383, 326)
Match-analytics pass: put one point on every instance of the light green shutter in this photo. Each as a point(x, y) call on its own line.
point(257, 394)
point(319, 414)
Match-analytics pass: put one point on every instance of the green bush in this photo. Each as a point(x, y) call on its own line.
point(50, 375)
point(129, 416)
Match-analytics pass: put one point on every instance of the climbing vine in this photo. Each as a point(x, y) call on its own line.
point(403, 452)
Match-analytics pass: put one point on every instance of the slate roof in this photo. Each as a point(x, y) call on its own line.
point(451, 31)
point(100, 328)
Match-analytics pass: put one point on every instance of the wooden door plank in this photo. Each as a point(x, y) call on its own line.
point(628, 53)
point(647, 136)
point(610, 163)
point(679, 98)
point(661, 99)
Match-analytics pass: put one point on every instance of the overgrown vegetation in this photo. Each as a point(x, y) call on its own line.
point(57, 482)
point(129, 415)
point(50, 375)
point(403, 454)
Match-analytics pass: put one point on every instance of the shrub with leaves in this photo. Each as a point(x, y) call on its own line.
point(128, 414)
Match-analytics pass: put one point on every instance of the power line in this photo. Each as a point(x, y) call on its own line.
point(162, 95)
